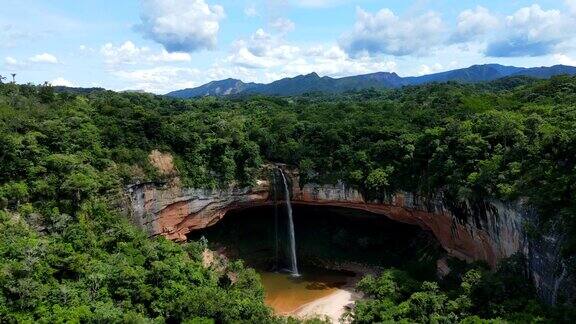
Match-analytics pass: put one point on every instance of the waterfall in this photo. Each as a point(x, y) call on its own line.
point(276, 245)
point(292, 238)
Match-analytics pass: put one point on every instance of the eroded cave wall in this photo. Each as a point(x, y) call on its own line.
point(494, 235)
point(490, 231)
point(173, 212)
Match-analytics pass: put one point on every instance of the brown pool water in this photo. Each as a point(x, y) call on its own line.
point(285, 294)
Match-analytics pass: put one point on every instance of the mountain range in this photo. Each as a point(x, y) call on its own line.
point(314, 83)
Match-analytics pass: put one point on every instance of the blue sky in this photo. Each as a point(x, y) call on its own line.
point(163, 45)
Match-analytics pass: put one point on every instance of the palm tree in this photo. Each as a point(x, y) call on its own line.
point(2, 78)
point(13, 77)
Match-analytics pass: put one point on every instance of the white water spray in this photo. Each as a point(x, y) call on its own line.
point(292, 238)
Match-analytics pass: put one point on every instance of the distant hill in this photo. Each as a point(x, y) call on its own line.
point(475, 73)
point(547, 72)
point(214, 88)
point(314, 83)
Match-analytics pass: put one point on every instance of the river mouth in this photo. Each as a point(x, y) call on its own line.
point(335, 248)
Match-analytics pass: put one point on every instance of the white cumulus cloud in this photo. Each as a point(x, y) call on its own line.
point(428, 69)
point(44, 58)
point(129, 53)
point(12, 64)
point(532, 31)
point(384, 32)
point(565, 59)
point(10, 61)
point(60, 81)
point(181, 25)
point(165, 56)
point(159, 79)
point(474, 23)
point(278, 58)
point(262, 50)
point(335, 62)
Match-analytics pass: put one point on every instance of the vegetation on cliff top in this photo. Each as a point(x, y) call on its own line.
point(65, 159)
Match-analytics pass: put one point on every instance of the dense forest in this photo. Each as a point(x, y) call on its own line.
point(67, 253)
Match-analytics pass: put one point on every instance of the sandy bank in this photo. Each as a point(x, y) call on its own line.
point(332, 306)
point(335, 305)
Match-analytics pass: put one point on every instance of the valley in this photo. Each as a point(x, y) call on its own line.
point(444, 200)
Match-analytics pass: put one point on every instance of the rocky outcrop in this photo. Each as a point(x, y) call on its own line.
point(163, 162)
point(488, 231)
point(173, 212)
point(490, 234)
point(549, 268)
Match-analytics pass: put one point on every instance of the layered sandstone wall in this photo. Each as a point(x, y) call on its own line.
point(495, 234)
point(173, 212)
point(490, 232)
point(487, 231)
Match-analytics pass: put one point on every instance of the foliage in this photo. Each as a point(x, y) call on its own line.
point(482, 296)
point(65, 159)
point(66, 254)
point(95, 267)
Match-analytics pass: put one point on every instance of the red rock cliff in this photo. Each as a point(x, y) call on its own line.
point(173, 212)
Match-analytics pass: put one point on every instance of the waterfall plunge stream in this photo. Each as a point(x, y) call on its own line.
point(292, 238)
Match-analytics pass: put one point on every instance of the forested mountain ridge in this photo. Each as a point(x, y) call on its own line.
point(68, 254)
point(382, 80)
